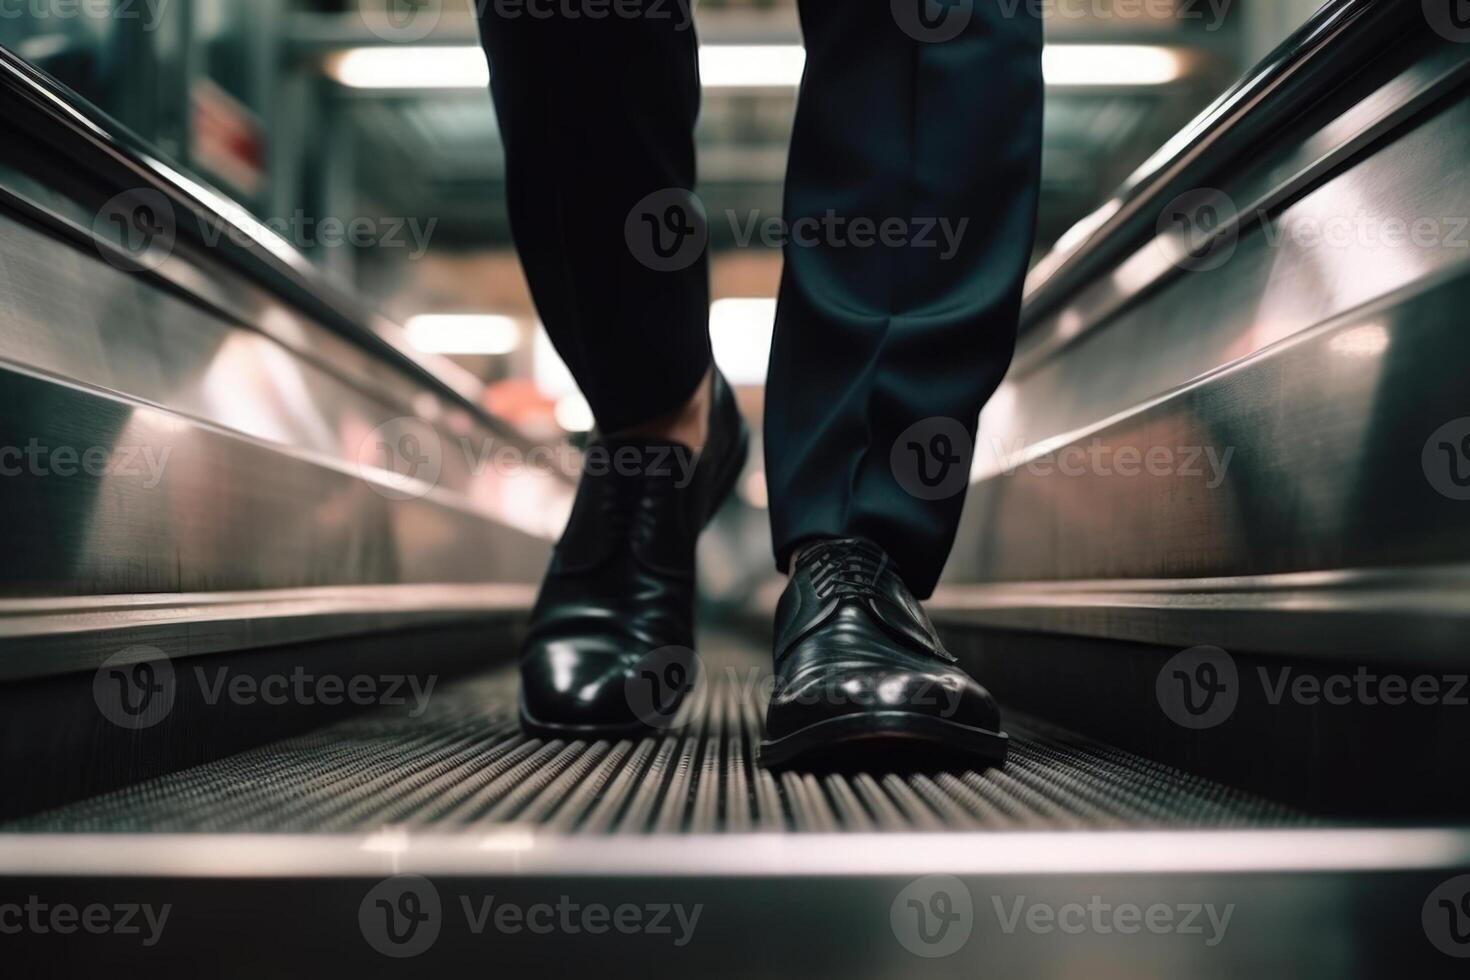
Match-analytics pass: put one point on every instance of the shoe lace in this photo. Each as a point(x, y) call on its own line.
point(628, 506)
point(847, 568)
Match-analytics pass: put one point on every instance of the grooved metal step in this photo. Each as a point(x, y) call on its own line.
point(464, 763)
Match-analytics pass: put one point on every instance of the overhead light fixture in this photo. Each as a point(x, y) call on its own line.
point(422, 67)
point(751, 65)
point(1111, 65)
point(736, 66)
point(469, 334)
point(740, 332)
point(573, 414)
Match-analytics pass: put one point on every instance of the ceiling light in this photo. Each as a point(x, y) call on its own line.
point(424, 67)
point(740, 66)
point(751, 65)
point(573, 414)
point(464, 334)
point(1111, 64)
point(740, 332)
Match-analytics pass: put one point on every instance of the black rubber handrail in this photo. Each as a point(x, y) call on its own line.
point(122, 161)
point(1331, 47)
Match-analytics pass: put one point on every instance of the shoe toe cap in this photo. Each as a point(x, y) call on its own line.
point(598, 684)
point(833, 692)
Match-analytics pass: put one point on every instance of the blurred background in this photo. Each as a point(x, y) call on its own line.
point(362, 132)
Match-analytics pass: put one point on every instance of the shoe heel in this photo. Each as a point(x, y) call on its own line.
point(734, 466)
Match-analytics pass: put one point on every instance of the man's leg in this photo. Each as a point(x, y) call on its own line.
point(933, 128)
point(911, 200)
point(597, 115)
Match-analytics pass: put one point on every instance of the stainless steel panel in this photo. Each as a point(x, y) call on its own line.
point(68, 313)
point(1318, 451)
point(77, 633)
point(1294, 390)
point(181, 506)
point(1383, 615)
point(1333, 45)
point(1299, 905)
point(1277, 282)
point(1340, 130)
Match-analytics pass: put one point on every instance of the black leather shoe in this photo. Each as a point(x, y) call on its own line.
point(610, 648)
point(858, 661)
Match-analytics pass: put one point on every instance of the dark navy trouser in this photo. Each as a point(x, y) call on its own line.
point(910, 201)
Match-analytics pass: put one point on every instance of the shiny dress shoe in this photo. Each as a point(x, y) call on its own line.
point(859, 666)
point(610, 648)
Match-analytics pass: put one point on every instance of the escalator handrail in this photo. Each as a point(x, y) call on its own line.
point(1312, 62)
point(124, 162)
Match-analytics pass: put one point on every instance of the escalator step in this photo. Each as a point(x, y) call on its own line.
point(464, 763)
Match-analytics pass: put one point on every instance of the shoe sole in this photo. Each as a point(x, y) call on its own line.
point(584, 733)
point(849, 737)
point(724, 486)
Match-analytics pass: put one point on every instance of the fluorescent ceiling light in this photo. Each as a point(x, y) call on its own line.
point(751, 65)
point(1111, 64)
point(469, 334)
point(573, 414)
point(740, 66)
point(427, 66)
point(740, 332)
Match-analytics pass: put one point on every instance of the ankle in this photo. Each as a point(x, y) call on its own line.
point(687, 425)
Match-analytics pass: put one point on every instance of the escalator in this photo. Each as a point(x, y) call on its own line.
point(459, 761)
point(257, 690)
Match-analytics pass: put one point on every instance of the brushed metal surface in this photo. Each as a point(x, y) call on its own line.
point(1330, 47)
point(1374, 615)
point(1304, 905)
point(1328, 431)
point(216, 510)
point(1339, 131)
point(224, 423)
point(1291, 387)
point(1277, 283)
